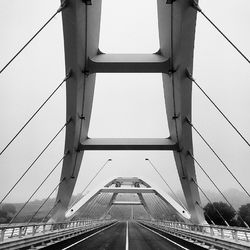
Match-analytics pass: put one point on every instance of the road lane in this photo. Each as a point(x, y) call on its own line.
point(125, 236)
point(111, 238)
point(141, 238)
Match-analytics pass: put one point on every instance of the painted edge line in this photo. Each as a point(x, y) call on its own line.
point(88, 237)
point(164, 237)
point(127, 237)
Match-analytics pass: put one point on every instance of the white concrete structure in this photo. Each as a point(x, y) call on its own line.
point(128, 186)
point(81, 25)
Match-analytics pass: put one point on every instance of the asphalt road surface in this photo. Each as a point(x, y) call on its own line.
point(127, 236)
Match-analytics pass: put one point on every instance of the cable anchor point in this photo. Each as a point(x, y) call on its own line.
point(86, 72)
point(69, 121)
point(189, 75)
point(78, 149)
point(87, 2)
point(196, 6)
point(170, 1)
point(66, 153)
point(175, 116)
point(62, 6)
point(186, 119)
point(171, 72)
point(69, 74)
point(179, 150)
point(82, 117)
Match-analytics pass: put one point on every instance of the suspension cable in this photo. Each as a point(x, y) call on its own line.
point(154, 210)
point(89, 206)
point(220, 111)
point(101, 208)
point(98, 205)
point(36, 112)
point(49, 197)
point(50, 193)
point(218, 157)
point(40, 185)
point(159, 208)
point(32, 164)
point(224, 220)
point(63, 5)
point(197, 7)
point(163, 209)
point(165, 182)
point(190, 154)
point(55, 205)
point(102, 167)
point(206, 213)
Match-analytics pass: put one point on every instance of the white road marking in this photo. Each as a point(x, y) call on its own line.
point(88, 237)
point(164, 237)
point(127, 236)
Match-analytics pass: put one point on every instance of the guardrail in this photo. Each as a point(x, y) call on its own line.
point(34, 234)
point(228, 237)
point(21, 229)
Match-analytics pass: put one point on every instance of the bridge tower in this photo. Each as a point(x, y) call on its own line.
point(81, 26)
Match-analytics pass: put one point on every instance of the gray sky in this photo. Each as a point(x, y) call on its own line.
point(125, 105)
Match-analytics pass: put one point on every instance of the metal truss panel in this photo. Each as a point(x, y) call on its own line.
point(128, 63)
point(128, 144)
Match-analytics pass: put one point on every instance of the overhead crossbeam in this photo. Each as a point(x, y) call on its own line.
point(128, 144)
point(127, 190)
point(136, 203)
point(128, 63)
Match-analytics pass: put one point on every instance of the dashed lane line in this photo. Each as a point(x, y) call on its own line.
point(127, 237)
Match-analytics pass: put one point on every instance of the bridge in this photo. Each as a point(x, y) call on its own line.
point(126, 212)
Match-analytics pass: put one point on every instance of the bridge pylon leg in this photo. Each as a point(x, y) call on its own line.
point(81, 26)
point(177, 21)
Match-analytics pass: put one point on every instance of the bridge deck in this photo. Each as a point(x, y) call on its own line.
point(124, 235)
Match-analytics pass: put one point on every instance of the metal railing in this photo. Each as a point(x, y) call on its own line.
point(39, 233)
point(205, 234)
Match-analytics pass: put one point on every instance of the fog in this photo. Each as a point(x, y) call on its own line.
point(125, 105)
